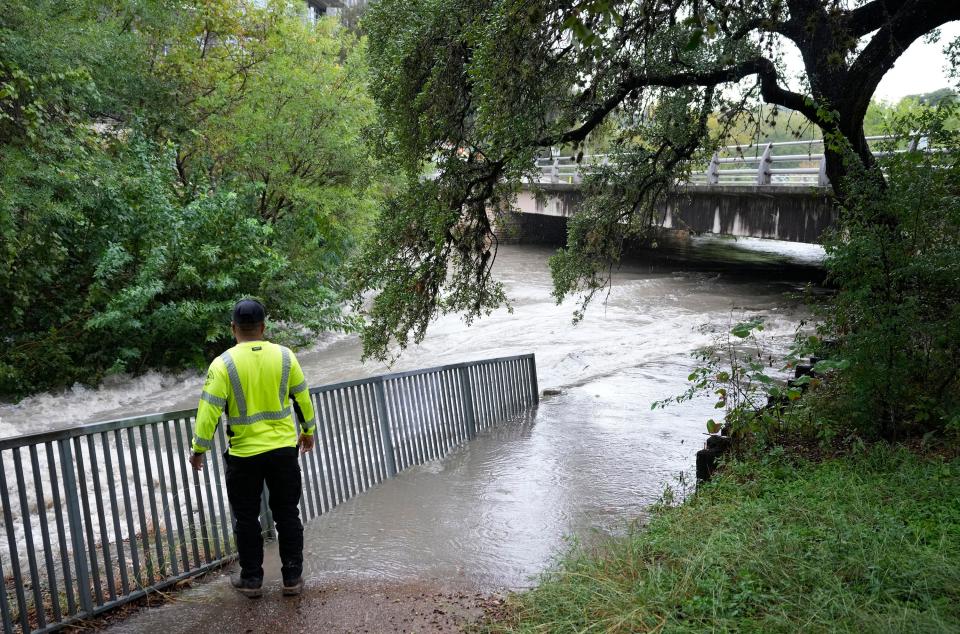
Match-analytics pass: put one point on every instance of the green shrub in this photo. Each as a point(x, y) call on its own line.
point(895, 259)
point(108, 271)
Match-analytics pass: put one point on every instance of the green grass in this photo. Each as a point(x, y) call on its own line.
point(865, 543)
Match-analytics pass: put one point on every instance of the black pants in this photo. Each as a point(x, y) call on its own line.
point(245, 478)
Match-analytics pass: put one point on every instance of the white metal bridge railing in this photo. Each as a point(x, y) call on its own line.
point(761, 164)
point(99, 515)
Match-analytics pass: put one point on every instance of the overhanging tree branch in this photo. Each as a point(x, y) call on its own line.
point(873, 15)
point(769, 87)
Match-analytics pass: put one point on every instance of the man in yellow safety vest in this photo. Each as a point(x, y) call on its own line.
point(260, 385)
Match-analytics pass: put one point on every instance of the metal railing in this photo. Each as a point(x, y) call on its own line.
point(766, 164)
point(757, 164)
point(565, 169)
point(103, 514)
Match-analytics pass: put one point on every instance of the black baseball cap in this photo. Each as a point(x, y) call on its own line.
point(248, 312)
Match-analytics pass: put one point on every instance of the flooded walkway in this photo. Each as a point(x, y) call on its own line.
point(425, 551)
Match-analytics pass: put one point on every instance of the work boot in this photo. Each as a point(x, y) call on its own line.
point(250, 588)
point(292, 587)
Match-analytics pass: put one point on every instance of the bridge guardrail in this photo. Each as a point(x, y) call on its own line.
point(745, 164)
point(109, 512)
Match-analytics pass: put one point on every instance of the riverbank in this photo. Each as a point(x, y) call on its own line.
point(868, 541)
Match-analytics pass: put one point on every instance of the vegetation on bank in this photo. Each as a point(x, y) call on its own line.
point(894, 257)
point(162, 159)
point(866, 542)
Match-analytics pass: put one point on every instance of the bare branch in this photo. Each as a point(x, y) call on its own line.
point(773, 92)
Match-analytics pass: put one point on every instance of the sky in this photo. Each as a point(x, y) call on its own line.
point(920, 69)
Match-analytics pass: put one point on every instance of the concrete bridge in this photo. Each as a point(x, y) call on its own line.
point(780, 212)
point(776, 190)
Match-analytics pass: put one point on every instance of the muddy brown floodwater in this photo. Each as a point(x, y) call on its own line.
point(428, 549)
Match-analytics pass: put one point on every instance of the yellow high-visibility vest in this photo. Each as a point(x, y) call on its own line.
point(254, 382)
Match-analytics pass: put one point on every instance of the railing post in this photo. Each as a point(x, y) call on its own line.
point(534, 387)
point(70, 488)
point(16, 577)
point(555, 170)
point(5, 618)
point(380, 397)
point(468, 402)
point(763, 170)
point(713, 170)
point(822, 179)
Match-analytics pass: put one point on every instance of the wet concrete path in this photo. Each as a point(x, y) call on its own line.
point(332, 607)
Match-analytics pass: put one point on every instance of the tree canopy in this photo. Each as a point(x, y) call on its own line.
point(161, 160)
point(477, 88)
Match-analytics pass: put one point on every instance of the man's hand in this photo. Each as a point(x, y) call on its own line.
point(306, 443)
point(196, 461)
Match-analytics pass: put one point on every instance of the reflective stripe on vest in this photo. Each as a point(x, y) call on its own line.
point(213, 400)
point(259, 416)
point(235, 385)
point(237, 388)
point(285, 375)
point(197, 440)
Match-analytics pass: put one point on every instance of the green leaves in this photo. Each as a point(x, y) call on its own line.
point(588, 16)
point(579, 30)
point(748, 393)
point(747, 328)
point(828, 365)
point(695, 40)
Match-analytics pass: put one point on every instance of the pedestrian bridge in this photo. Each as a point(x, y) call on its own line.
point(773, 190)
